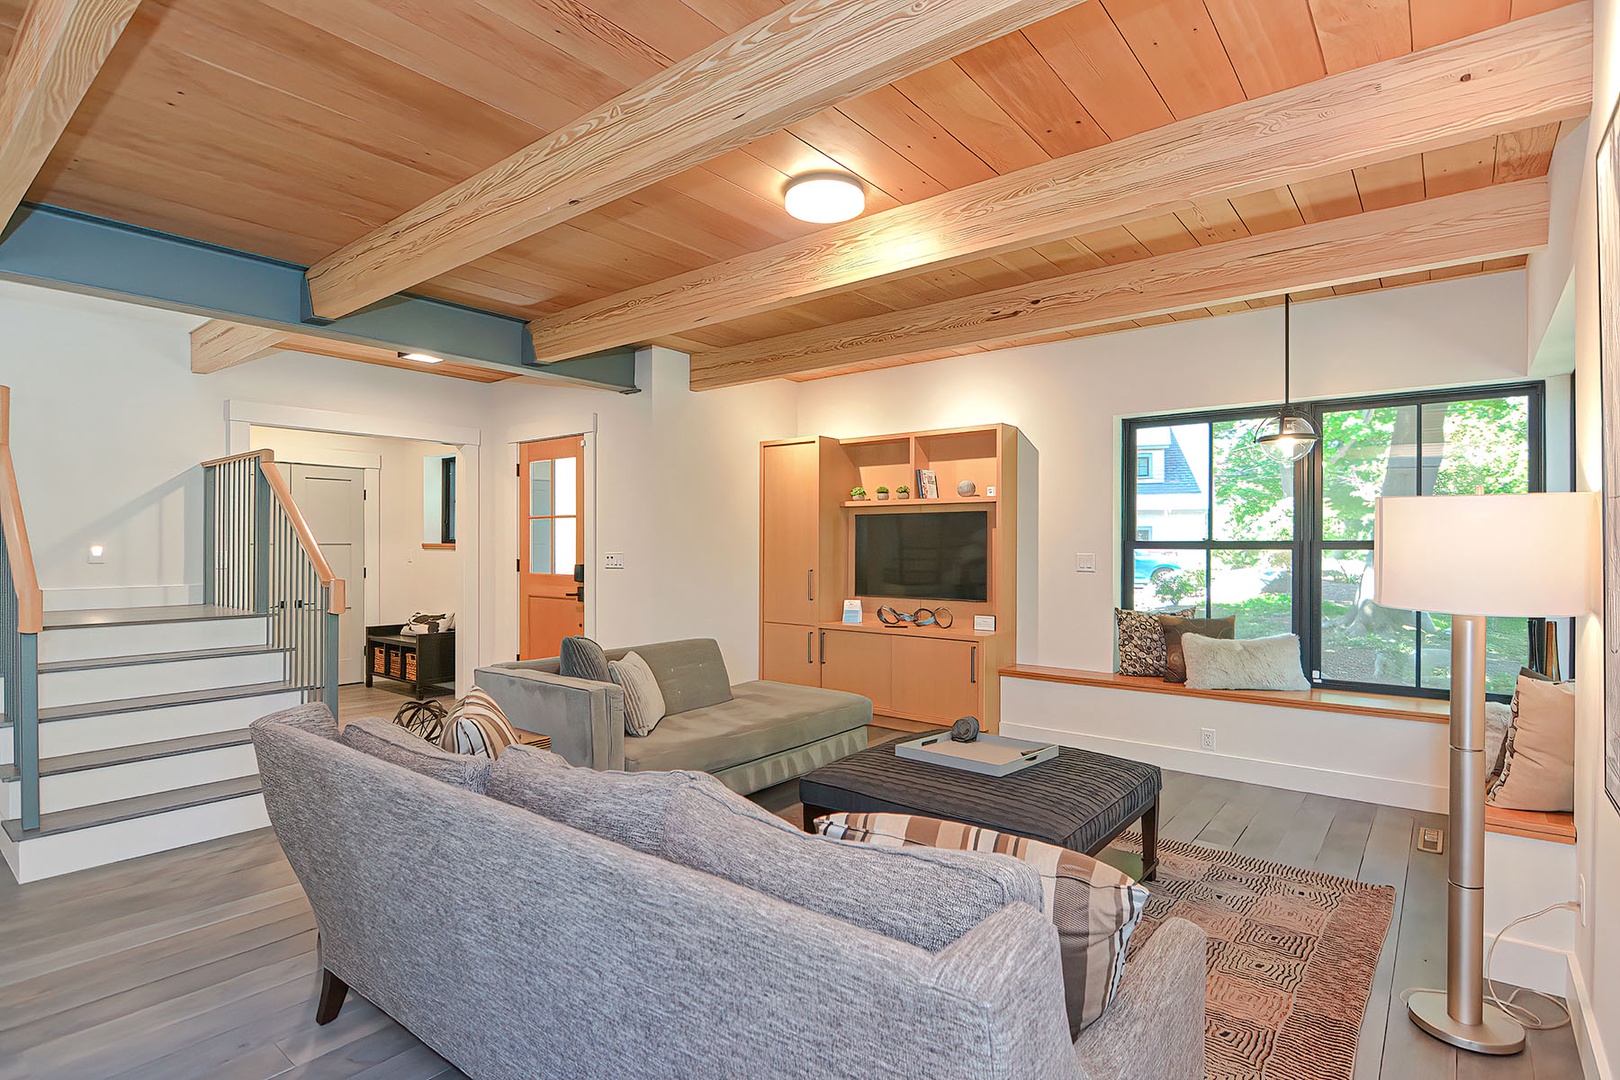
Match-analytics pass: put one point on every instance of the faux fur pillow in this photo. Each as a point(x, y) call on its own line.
point(1176, 629)
point(1269, 663)
point(1141, 641)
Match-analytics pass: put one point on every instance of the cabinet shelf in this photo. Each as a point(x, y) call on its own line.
point(918, 504)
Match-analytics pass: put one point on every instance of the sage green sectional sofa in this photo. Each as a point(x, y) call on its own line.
point(750, 736)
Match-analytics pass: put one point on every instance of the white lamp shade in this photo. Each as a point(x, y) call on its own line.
point(1530, 556)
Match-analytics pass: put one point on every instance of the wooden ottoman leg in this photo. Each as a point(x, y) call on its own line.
point(1150, 841)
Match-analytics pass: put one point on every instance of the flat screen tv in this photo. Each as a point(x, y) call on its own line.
point(918, 555)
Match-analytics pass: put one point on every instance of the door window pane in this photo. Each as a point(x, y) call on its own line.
point(1365, 453)
point(1168, 580)
point(540, 546)
point(1254, 492)
point(1361, 641)
point(1255, 586)
point(539, 488)
point(1174, 502)
point(567, 494)
point(1468, 445)
point(563, 544)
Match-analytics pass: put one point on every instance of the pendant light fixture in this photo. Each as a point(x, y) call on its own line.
point(1290, 435)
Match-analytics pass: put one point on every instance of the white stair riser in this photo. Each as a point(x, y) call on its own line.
point(81, 735)
point(162, 677)
point(93, 642)
point(62, 853)
point(88, 787)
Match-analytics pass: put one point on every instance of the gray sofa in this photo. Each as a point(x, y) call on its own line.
point(751, 735)
point(625, 945)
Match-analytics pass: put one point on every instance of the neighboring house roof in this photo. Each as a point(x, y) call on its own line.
point(1178, 478)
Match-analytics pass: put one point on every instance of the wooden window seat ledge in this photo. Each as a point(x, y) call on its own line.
point(1534, 825)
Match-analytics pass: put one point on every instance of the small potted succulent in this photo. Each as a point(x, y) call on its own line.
point(883, 494)
point(857, 493)
point(902, 492)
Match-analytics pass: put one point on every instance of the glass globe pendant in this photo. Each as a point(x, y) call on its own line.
point(1289, 436)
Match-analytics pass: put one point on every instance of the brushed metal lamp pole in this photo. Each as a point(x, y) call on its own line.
point(1476, 555)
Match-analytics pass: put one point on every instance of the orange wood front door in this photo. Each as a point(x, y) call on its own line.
point(551, 545)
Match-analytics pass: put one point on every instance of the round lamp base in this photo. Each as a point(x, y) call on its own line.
point(1497, 1033)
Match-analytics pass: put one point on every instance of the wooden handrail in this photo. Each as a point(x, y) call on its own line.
point(264, 455)
point(30, 598)
point(306, 537)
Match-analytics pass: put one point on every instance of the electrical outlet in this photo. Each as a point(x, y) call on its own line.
point(1085, 562)
point(1206, 738)
point(613, 560)
point(990, 492)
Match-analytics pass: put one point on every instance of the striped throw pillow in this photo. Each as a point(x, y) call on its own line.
point(477, 726)
point(1093, 906)
point(643, 701)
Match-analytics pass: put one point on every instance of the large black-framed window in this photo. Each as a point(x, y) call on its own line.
point(1218, 527)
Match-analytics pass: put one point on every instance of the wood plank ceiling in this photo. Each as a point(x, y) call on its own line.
point(290, 128)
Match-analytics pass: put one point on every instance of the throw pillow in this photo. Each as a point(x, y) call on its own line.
point(1176, 628)
point(1268, 663)
point(643, 701)
point(1093, 906)
point(1538, 757)
point(1498, 718)
point(922, 896)
point(582, 658)
point(392, 743)
point(477, 726)
point(422, 622)
point(1141, 642)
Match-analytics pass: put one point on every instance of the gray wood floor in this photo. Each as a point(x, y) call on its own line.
point(201, 963)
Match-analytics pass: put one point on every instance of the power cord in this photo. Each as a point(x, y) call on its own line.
point(1527, 1019)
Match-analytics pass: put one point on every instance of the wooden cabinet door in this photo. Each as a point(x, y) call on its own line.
point(858, 663)
point(788, 654)
point(937, 680)
point(790, 488)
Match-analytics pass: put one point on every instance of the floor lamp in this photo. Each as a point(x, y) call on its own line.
point(1471, 556)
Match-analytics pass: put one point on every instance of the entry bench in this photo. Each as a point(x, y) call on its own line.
point(1533, 825)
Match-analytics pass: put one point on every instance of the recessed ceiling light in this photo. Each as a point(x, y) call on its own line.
point(422, 357)
point(824, 197)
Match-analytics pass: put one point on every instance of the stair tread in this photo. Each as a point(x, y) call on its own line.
point(159, 701)
point(124, 755)
point(86, 817)
point(143, 616)
point(100, 662)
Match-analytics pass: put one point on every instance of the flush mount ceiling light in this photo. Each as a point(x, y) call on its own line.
point(422, 357)
point(1290, 435)
point(824, 197)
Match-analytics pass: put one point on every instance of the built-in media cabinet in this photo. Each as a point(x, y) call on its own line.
point(814, 548)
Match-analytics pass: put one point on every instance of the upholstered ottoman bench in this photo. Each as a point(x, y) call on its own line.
point(1079, 800)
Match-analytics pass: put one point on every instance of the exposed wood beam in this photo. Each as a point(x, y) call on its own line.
point(217, 345)
point(787, 66)
point(1507, 219)
point(1523, 74)
point(59, 48)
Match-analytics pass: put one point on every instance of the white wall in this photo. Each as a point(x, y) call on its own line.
point(1068, 398)
point(406, 577)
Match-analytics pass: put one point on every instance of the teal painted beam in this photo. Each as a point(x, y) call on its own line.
point(63, 249)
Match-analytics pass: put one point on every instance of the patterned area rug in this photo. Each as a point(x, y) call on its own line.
point(1291, 958)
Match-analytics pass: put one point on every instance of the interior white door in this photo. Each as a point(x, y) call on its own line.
point(333, 501)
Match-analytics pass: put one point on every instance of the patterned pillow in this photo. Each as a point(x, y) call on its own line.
point(1141, 642)
point(1175, 661)
point(643, 701)
point(1093, 906)
point(477, 726)
point(582, 658)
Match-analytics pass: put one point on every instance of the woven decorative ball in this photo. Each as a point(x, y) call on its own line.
point(424, 719)
point(966, 488)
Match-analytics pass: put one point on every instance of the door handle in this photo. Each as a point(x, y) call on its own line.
point(823, 646)
point(810, 585)
point(973, 665)
point(809, 646)
point(577, 594)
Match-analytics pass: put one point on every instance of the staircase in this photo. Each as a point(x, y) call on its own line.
point(124, 731)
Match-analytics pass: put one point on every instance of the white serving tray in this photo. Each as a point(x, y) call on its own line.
point(988, 755)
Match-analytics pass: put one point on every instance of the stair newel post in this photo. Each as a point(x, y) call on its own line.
point(210, 545)
point(26, 726)
point(261, 539)
point(329, 656)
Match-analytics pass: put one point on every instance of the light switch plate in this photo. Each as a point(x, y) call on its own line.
point(613, 560)
point(1085, 562)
